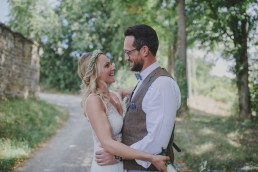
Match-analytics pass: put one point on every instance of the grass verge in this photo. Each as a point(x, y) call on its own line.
point(216, 143)
point(24, 124)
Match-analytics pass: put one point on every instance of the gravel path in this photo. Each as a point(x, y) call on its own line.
point(70, 150)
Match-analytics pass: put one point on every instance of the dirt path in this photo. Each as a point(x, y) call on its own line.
point(70, 150)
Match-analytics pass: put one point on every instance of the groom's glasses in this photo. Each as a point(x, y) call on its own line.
point(129, 52)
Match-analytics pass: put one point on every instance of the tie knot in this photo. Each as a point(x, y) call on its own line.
point(138, 76)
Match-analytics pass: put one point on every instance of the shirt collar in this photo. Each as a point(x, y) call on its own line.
point(149, 69)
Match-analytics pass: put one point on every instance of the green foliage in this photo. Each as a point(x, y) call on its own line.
point(59, 71)
point(32, 18)
point(217, 21)
point(66, 29)
point(24, 124)
point(253, 84)
point(232, 24)
point(221, 89)
point(124, 79)
point(254, 99)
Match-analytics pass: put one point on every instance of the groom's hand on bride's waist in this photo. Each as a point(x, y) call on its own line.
point(103, 157)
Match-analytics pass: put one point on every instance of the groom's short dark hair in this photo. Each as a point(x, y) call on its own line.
point(144, 35)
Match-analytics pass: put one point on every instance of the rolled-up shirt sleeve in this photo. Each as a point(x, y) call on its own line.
point(160, 105)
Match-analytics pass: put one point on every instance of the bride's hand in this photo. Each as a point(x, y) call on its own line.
point(103, 157)
point(159, 162)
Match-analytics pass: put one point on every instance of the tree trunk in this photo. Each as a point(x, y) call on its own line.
point(171, 56)
point(242, 69)
point(181, 58)
point(170, 60)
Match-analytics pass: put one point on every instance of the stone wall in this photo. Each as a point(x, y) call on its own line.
point(19, 65)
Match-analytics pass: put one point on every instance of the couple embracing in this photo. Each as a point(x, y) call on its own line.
point(130, 137)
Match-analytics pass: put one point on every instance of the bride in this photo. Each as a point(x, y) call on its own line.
point(104, 111)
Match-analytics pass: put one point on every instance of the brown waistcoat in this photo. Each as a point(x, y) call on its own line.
point(134, 128)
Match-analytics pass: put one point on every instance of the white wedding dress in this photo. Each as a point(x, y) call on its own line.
point(116, 122)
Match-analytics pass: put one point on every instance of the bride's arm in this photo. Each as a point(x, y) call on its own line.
point(98, 118)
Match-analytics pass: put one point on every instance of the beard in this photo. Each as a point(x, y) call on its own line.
point(137, 67)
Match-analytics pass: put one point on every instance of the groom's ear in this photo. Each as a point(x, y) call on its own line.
point(145, 51)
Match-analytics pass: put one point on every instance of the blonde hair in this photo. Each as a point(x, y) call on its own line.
point(89, 78)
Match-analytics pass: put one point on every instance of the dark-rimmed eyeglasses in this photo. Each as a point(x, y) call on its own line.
point(129, 52)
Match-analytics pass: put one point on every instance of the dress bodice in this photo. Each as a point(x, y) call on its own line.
point(116, 122)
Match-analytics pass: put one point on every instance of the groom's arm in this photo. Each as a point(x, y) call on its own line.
point(160, 105)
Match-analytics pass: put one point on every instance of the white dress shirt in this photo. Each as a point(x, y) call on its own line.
point(160, 105)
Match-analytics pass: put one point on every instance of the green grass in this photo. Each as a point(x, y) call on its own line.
point(211, 143)
point(24, 124)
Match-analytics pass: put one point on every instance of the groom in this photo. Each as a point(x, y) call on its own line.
point(150, 117)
